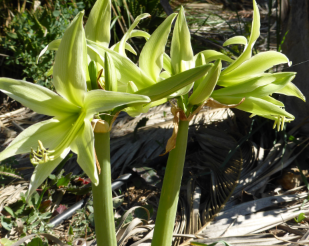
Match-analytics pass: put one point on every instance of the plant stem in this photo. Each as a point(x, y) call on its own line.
point(102, 194)
point(163, 232)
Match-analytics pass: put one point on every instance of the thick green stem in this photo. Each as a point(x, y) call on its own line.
point(102, 194)
point(163, 232)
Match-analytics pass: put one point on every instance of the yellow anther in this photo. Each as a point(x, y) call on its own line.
point(41, 155)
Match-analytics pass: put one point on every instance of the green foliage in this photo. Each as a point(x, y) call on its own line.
point(29, 32)
point(7, 173)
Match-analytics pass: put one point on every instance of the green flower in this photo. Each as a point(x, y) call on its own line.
point(72, 110)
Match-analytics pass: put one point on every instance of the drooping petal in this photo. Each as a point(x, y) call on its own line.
point(255, 66)
point(236, 40)
point(151, 58)
point(100, 101)
point(53, 45)
point(42, 171)
point(291, 90)
point(125, 68)
point(83, 146)
point(175, 83)
point(212, 55)
point(256, 106)
point(37, 98)
point(127, 35)
point(255, 33)
point(50, 132)
point(273, 101)
point(251, 84)
point(97, 28)
point(181, 49)
point(70, 68)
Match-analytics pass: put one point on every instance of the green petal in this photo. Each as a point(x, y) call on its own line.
point(97, 28)
point(151, 58)
point(83, 146)
point(167, 63)
point(199, 61)
point(273, 101)
point(37, 98)
point(42, 171)
point(169, 86)
point(70, 68)
point(256, 106)
point(125, 68)
point(181, 49)
point(256, 65)
point(53, 45)
point(127, 35)
point(250, 84)
point(50, 133)
point(255, 33)
point(110, 74)
point(236, 40)
point(212, 55)
point(291, 90)
point(140, 33)
point(101, 101)
point(128, 47)
point(206, 87)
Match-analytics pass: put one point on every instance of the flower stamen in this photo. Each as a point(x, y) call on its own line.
point(42, 155)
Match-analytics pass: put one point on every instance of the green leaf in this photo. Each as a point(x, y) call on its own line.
point(64, 181)
point(10, 211)
point(300, 218)
point(6, 242)
point(97, 28)
point(167, 87)
point(151, 58)
point(6, 223)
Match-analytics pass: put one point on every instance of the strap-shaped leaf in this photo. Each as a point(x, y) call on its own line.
point(167, 87)
point(151, 58)
point(181, 49)
point(97, 28)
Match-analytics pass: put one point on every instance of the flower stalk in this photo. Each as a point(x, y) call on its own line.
point(102, 193)
point(163, 232)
